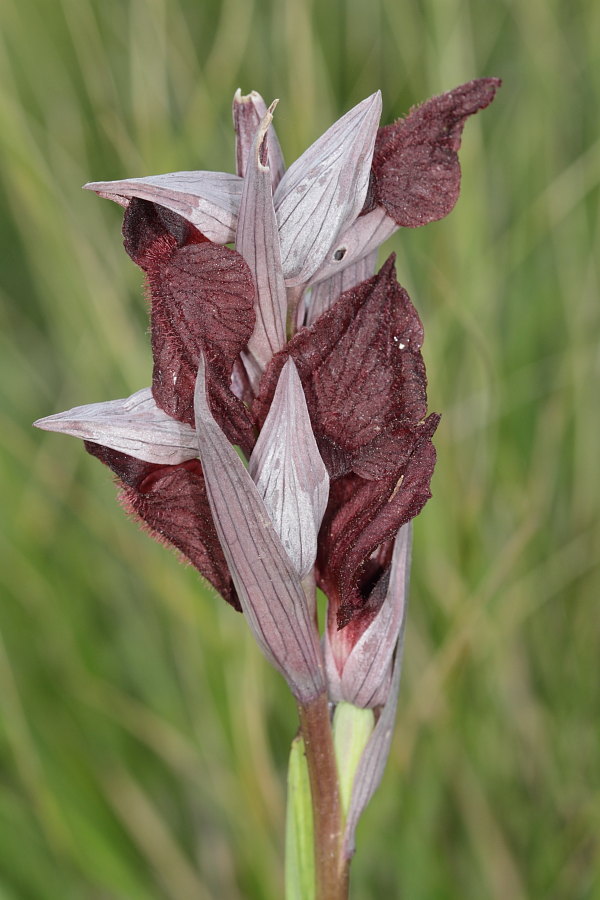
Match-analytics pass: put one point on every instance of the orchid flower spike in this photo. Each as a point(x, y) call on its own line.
point(294, 350)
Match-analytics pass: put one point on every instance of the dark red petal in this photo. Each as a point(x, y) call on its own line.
point(361, 519)
point(202, 299)
point(416, 173)
point(213, 288)
point(362, 371)
point(388, 452)
point(363, 386)
point(172, 504)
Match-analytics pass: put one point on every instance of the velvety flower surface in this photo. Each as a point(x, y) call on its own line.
point(416, 173)
point(172, 503)
point(293, 349)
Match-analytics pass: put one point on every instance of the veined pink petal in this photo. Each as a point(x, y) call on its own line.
point(325, 189)
point(361, 239)
point(248, 112)
point(324, 294)
point(369, 661)
point(289, 472)
point(135, 425)
point(267, 584)
point(209, 200)
point(257, 240)
point(372, 764)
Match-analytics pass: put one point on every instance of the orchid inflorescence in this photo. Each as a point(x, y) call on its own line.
point(293, 350)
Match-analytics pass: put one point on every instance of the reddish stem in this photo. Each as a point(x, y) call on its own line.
point(331, 869)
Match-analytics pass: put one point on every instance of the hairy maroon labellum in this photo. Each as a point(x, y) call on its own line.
point(171, 501)
point(363, 515)
point(363, 375)
point(202, 298)
point(416, 173)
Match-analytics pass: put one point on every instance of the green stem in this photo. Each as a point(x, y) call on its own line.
point(331, 869)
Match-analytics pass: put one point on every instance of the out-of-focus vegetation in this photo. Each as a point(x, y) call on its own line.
point(143, 740)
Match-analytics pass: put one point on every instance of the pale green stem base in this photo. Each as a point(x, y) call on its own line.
point(323, 764)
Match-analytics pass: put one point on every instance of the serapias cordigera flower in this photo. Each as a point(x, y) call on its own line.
point(292, 348)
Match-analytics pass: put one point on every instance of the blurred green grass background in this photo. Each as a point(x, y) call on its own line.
point(143, 740)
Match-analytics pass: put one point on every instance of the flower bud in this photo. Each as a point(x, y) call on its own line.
point(359, 658)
